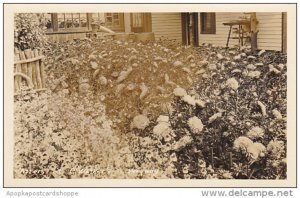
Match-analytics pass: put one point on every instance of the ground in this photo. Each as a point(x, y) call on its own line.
point(118, 109)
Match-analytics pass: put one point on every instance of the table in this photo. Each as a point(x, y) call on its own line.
point(238, 23)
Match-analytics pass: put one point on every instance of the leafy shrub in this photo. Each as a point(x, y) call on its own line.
point(29, 31)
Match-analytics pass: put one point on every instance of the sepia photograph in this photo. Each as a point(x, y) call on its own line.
point(173, 95)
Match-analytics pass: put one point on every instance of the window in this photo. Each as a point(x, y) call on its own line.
point(136, 19)
point(208, 22)
point(72, 20)
point(98, 18)
point(48, 21)
point(114, 21)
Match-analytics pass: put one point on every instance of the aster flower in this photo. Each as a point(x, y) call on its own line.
point(162, 118)
point(195, 124)
point(256, 150)
point(276, 148)
point(140, 122)
point(255, 132)
point(162, 129)
point(232, 83)
point(242, 143)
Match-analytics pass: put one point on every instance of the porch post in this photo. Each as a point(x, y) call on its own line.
point(127, 22)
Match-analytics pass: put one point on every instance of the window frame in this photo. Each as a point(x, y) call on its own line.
point(212, 20)
point(56, 29)
point(118, 28)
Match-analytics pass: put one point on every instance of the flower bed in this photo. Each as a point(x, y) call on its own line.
point(154, 110)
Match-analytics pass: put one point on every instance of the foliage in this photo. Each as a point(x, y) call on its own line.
point(229, 123)
point(29, 31)
point(240, 113)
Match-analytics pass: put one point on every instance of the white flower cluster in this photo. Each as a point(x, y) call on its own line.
point(163, 130)
point(252, 149)
point(254, 74)
point(140, 122)
point(189, 100)
point(256, 150)
point(195, 125)
point(163, 118)
point(232, 83)
point(242, 143)
point(179, 92)
point(255, 132)
point(276, 148)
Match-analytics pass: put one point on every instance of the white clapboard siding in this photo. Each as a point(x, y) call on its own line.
point(167, 24)
point(220, 38)
point(269, 26)
point(270, 30)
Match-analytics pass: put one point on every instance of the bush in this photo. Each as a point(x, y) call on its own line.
point(29, 31)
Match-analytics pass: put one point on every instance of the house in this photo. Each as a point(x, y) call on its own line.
point(187, 28)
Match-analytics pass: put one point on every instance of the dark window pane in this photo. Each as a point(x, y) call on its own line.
point(208, 23)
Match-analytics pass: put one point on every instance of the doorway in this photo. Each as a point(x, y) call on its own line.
point(140, 22)
point(190, 31)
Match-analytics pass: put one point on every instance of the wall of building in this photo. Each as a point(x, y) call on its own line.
point(269, 26)
point(220, 38)
point(167, 25)
point(270, 30)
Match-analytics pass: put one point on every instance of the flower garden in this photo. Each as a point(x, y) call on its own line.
point(122, 109)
